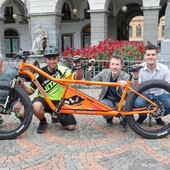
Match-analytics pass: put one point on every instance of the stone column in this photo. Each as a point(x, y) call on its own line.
point(2, 46)
point(165, 44)
point(151, 15)
point(99, 26)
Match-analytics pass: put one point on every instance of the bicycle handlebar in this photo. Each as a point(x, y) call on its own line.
point(22, 56)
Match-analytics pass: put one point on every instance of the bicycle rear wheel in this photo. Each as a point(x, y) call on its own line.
point(149, 128)
point(12, 125)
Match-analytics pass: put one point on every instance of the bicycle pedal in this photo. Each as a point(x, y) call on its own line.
point(122, 121)
point(124, 129)
point(123, 124)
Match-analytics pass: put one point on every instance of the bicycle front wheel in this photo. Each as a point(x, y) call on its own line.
point(150, 128)
point(11, 123)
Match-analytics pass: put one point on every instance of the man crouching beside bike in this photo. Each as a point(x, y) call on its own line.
point(53, 90)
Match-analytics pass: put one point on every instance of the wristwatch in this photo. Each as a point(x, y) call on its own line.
point(136, 78)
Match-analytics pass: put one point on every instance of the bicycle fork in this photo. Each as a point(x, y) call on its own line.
point(14, 81)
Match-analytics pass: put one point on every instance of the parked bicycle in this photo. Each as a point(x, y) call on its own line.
point(74, 101)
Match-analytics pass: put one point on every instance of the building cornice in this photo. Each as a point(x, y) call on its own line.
point(44, 14)
point(151, 8)
point(99, 11)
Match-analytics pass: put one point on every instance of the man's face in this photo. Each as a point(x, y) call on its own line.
point(52, 61)
point(150, 56)
point(115, 65)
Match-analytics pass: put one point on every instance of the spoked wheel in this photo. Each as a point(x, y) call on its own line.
point(13, 124)
point(150, 128)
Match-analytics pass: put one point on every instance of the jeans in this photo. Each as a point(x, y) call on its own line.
point(164, 99)
point(108, 103)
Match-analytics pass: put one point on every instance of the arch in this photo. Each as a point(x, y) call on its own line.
point(66, 11)
point(134, 9)
point(60, 3)
point(19, 4)
point(162, 10)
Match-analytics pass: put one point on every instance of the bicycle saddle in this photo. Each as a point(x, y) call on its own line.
point(134, 68)
point(75, 59)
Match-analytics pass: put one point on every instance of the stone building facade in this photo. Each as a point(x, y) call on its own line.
point(74, 23)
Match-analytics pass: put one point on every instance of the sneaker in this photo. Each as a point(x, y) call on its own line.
point(109, 121)
point(140, 119)
point(18, 117)
point(160, 122)
point(42, 127)
point(55, 119)
point(1, 120)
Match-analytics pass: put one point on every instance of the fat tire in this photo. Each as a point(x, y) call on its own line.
point(164, 131)
point(5, 135)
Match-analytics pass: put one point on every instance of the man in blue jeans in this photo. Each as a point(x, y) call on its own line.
point(111, 95)
point(152, 70)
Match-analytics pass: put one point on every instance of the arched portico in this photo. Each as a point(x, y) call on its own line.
point(106, 20)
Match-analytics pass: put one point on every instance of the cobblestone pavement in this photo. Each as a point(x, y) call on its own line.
point(92, 145)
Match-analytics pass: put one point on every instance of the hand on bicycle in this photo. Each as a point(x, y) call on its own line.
point(91, 61)
point(122, 83)
point(78, 63)
point(21, 82)
point(136, 73)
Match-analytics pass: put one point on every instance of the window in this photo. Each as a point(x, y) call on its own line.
point(87, 14)
point(66, 41)
point(66, 11)
point(87, 36)
point(163, 30)
point(138, 31)
point(8, 15)
point(11, 43)
point(130, 31)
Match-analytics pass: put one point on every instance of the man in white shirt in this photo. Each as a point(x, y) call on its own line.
point(152, 69)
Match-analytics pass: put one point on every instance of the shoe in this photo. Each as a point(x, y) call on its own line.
point(1, 120)
point(160, 122)
point(55, 119)
point(18, 117)
point(140, 119)
point(109, 121)
point(42, 127)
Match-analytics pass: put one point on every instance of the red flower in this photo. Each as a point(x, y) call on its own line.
point(127, 49)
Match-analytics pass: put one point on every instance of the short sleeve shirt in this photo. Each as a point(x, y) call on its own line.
point(53, 89)
point(161, 72)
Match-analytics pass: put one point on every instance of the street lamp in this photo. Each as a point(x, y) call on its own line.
point(15, 16)
point(24, 18)
point(124, 8)
point(75, 12)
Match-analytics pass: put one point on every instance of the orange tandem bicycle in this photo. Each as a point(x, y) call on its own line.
point(74, 101)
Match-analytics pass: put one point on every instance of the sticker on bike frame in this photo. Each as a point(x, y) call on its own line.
point(74, 100)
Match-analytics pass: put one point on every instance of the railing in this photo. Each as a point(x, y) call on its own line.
point(99, 64)
point(102, 64)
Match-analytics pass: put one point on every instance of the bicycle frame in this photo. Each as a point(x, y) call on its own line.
point(76, 102)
